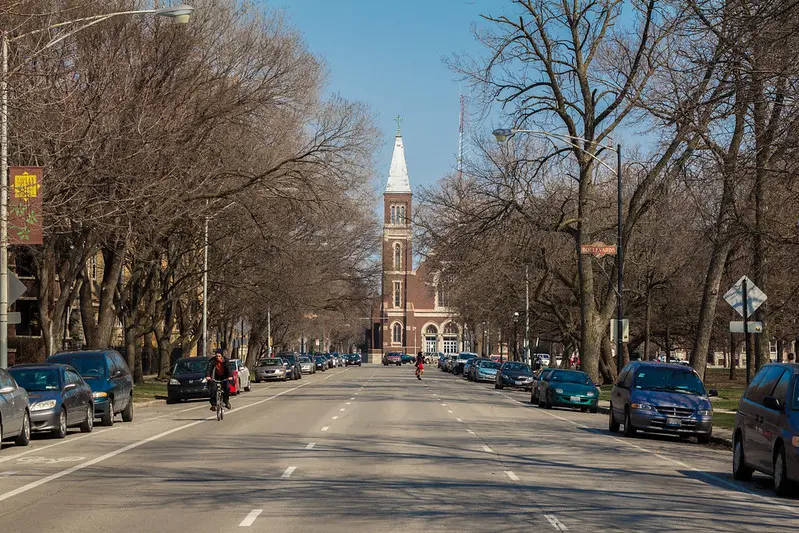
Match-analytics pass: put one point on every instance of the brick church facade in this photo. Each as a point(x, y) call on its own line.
point(412, 314)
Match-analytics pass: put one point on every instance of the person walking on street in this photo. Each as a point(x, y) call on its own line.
point(419, 365)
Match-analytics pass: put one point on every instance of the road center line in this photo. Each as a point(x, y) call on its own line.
point(450, 411)
point(511, 475)
point(342, 409)
point(470, 431)
point(459, 419)
point(287, 474)
point(310, 446)
point(557, 524)
point(325, 428)
point(109, 455)
point(487, 449)
point(335, 417)
point(250, 518)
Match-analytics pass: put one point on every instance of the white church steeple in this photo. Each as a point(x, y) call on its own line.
point(398, 181)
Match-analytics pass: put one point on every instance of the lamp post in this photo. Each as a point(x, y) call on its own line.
point(180, 13)
point(503, 134)
point(515, 336)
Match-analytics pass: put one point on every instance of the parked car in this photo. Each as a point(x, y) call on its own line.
point(352, 359)
point(441, 358)
point(661, 397)
point(449, 362)
point(457, 366)
point(320, 363)
point(14, 411)
point(766, 431)
point(328, 359)
point(307, 366)
point(538, 379)
point(392, 358)
point(241, 376)
point(467, 368)
point(514, 374)
point(188, 380)
point(486, 370)
point(109, 377)
point(569, 388)
point(407, 358)
point(271, 368)
point(292, 362)
point(58, 396)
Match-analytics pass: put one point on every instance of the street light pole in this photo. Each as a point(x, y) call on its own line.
point(527, 314)
point(515, 336)
point(205, 290)
point(619, 266)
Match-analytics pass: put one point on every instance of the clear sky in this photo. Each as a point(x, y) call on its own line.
point(389, 54)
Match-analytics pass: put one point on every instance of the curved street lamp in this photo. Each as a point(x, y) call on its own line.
point(503, 134)
point(180, 13)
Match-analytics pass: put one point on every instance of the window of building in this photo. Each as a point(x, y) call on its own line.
point(396, 333)
point(401, 215)
point(397, 256)
point(442, 297)
point(397, 293)
point(393, 214)
point(398, 214)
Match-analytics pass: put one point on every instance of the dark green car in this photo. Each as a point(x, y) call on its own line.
point(569, 388)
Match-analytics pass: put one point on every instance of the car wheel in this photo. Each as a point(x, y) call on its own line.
point(108, 417)
point(782, 485)
point(629, 429)
point(594, 410)
point(127, 412)
point(613, 426)
point(88, 424)
point(285, 379)
point(704, 438)
point(501, 386)
point(248, 388)
point(740, 470)
point(24, 437)
point(547, 402)
point(60, 431)
point(583, 409)
point(170, 400)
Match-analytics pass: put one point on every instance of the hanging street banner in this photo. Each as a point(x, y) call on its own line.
point(598, 249)
point(754, 297)
point(25, 205)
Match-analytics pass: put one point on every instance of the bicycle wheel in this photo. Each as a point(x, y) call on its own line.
point(219, 413)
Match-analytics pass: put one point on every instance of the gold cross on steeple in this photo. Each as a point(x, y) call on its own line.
point(398, 120)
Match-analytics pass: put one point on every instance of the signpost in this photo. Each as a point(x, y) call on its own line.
point(745, 297)
point(625, 330)
point(598, 249)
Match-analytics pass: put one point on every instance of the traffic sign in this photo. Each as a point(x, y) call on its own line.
point(598, 249)
point(754, 297)
point(753, 327)
point(625, 330)
point(15, 318)
point(15, 288)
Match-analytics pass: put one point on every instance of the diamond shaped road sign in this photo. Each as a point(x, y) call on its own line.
point(754, 297)
point(15, 288)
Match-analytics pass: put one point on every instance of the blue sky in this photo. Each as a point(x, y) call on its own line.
point(389, 54)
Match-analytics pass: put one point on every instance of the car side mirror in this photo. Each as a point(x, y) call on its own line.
point(712, 392)
point(69, 386)
point(770, 402)
point(7, 390)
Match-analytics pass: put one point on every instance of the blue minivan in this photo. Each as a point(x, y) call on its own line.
point(108, 375)
point(662, 398)
point(766, 434)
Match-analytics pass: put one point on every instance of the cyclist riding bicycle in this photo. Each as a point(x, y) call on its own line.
point(216, 372)
point(419, 365)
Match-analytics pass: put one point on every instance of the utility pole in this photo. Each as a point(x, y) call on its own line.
point(527, 314)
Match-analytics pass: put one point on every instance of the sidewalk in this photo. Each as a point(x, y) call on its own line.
point(721, 435)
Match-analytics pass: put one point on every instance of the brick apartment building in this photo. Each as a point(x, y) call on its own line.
point(413, 313)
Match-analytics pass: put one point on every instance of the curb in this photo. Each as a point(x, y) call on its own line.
point(714, 438)
point(147, 403)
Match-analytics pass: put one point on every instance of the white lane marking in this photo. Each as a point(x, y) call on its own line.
point(487, 449)
point(67, 441)
point(450, 411)
point(459, 419)
point(7, 473)
point(49, 460)
point(287, 474)
point(310, 446)
point(443, 405)
point(325, 428)
point(348, 403)
point(250, 518)
point(335, 417)
point(352, 398)
point(557, 524)
point(511, 475)
point(109, 455)
point(470, 431)
point(342, 409)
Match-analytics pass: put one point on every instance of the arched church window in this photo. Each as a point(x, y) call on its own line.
point(393, 214)
point(397, 256)
point(450, 329)
point(402, 214)
point(396, 333)
point(431, 330)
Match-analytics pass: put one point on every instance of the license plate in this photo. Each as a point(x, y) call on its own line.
point(673, 422)
point(574, 398)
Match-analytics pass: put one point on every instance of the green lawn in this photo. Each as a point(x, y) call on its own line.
point(724, 420)
point(150, 390)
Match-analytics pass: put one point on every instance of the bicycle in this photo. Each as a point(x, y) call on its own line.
point(220, 407)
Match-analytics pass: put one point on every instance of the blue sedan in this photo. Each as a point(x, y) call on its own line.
point(59, 398)
point(486, 371)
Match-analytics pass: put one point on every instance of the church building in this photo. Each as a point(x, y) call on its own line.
point(412, 314)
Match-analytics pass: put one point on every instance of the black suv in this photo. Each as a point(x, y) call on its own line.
point(292, 360)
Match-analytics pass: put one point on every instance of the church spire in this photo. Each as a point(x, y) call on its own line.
point(398, 181)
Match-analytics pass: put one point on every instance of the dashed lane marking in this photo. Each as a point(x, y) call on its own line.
point(310, 446)
point(459, 419)
point(470, 432)
point(335, 417)
point(557, 524)
point(250, 518)
point(325, 428)
point(287, 474)
point(511, 475)
point(487, 449)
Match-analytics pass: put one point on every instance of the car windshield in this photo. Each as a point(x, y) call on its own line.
point(36, 379)
point(490, 364)
point(668, 379)
point(304, 360)
point(190, 366)
point(517, 367)
point(88, 367)
point(795, 401)
point(270, 362)
point(569, 376)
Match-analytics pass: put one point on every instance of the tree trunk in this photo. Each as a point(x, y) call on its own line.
point(87, 314)
point(253, 347)
point(106, 311)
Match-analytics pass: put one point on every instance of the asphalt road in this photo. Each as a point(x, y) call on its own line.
point(372, 449)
